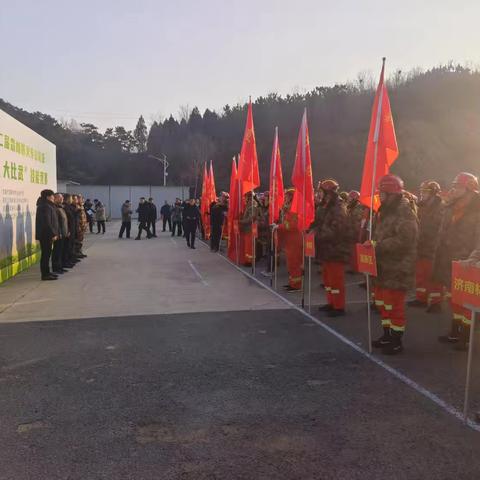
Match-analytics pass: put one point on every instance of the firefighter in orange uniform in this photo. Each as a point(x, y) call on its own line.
point(458, 240)
point(395, 240)
point(248, 215)
point(291, 240)
point(333, 247)
point(430, 214)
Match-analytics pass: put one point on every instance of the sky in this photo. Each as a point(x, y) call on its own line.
point(107, 62)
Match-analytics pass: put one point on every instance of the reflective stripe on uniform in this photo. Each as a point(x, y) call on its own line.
point(388, 307)
point(379, 303)
point(386, 322)
point(435, 295)
point(397, 328)
point(334, 292)
point(422, 290)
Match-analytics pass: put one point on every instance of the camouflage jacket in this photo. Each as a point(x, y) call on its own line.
point(430, 216)
point(332, 233)
point(248, 215)
point(355, 214)
point(458, 238)
point(396, 233)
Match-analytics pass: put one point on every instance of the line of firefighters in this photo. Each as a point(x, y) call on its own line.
point(415, 240)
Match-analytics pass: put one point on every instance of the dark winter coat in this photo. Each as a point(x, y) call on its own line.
point(142, 211)
point(430, 215)
point(46, 220)
point(217, 214)
point(70, 212)
point(62, 221)
point(191, 214)
point(152, 212)
point(459, 236)
point(396, 235)
point(165, 211)
point(176, 213)
point(126, 212)
point(332, 233)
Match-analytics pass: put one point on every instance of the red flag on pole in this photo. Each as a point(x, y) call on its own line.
point(233, 210)
point(248, 173)
point(212, 190)
point(205, 201)
point(303, 199)
point(382, 148)
point(276, 183)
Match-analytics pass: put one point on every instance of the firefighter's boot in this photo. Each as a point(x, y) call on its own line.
point(384, 340)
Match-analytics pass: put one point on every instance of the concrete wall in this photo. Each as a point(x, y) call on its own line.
point(112, 196)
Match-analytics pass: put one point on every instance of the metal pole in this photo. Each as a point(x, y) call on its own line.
point(309, 284)
point(272, 247)
point(369, 315)
point(304, 161)
point(275, 259)
point(469, 368)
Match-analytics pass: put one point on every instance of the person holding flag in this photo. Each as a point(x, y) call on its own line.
point(248, 216)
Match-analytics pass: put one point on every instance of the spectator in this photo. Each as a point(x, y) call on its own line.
point(152, 217)
point(166, 215)
point(100, 217)
point(126, 219)
point(46, 230)
point(177, 218)
point(142, 211)
point(88, 206)
point(191, 216)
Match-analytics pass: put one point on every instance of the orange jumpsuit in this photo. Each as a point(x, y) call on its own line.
point(292, 242)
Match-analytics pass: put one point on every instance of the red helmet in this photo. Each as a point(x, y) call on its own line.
point(466, 180)
point(354, 195)
point(329, 185)
point(431, 186)
point(391, 184)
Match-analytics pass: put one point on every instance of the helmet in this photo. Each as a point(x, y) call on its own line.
point(225, 195)
point(289, 191)
point(430, 186)
point(354, 195)
point(391, 184)
point(329, 185)
point(466, 180)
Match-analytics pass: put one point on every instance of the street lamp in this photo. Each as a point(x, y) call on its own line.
point(165, 166)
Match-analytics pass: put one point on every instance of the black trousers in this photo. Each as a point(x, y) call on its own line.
point(143, 226)
point(65, 252)
point(151, 225)
point(90, 223)
point(126, 226)
point(100, 226)
point(57, 251)
point(215, 237)
point(178, 227)
point(190, 230)
point(165, 221)
point(46, 249)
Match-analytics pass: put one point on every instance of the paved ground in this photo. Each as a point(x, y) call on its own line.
point(230, 393)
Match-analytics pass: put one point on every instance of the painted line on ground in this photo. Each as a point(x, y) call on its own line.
point(197, 273)
point(399, 375)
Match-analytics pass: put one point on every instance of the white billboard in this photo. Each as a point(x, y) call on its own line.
point(27, 166)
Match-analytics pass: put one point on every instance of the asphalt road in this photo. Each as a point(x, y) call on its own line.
point(221, 395)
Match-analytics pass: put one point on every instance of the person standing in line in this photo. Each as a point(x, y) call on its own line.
point(177, 218)
point(68, 258)
point(191, 216)
point(88, 206)
point(152, 217)
point(126, 219)
point(46, 230)
point(142, 211)
point(166, 215)
point(218, 211)
point(57, 252)
point(100, 217)
point(81, 228)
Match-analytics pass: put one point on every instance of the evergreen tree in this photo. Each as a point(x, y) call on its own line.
point(140, 135)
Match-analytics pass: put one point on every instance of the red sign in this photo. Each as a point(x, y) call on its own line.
point(310, 244)
point(255, 230)
point(366, 262)
point(465, 285)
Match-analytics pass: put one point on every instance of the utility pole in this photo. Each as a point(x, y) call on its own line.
point(165, 166)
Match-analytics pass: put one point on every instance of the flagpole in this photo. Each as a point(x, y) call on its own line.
point(304, 160)
point(239, 208)
point(272, 203)
point(372, 195)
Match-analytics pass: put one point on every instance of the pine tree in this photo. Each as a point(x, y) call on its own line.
point(140, 135)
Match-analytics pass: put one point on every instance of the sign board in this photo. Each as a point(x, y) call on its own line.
point(27, 166)
point(310, 244)
point(366, 261)
point(465, 285)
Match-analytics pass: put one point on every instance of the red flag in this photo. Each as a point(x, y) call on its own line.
point(276, 197)
point(212, 192)
point(233, 210)
point(303, 199)
point(248, 165)
point(205, 201)
point(382, 148)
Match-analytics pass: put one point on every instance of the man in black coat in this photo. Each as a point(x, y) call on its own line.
point(46, 230)
point(152, 217)
point(143, 211)
point(218, 211)
point(166, 214)
point(191, 218)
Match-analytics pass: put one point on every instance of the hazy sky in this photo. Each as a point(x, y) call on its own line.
point(108, 61)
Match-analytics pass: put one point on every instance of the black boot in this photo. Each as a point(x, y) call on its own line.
point(395, 345)
point(325, 308)
point(464, 339)
point(454, 335)
point(384, 340)
point(416, 303)
point(434, 308)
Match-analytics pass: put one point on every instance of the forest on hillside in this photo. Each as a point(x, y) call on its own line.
point(436, 115)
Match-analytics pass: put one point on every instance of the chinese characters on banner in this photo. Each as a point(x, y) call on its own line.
point(465, 285)
point(366, 262)
point(310, 245)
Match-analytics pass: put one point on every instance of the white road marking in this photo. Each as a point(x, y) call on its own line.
point(400, 376)
point(197, 273)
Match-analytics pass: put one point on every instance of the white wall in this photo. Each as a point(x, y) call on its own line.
point(113, 196)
